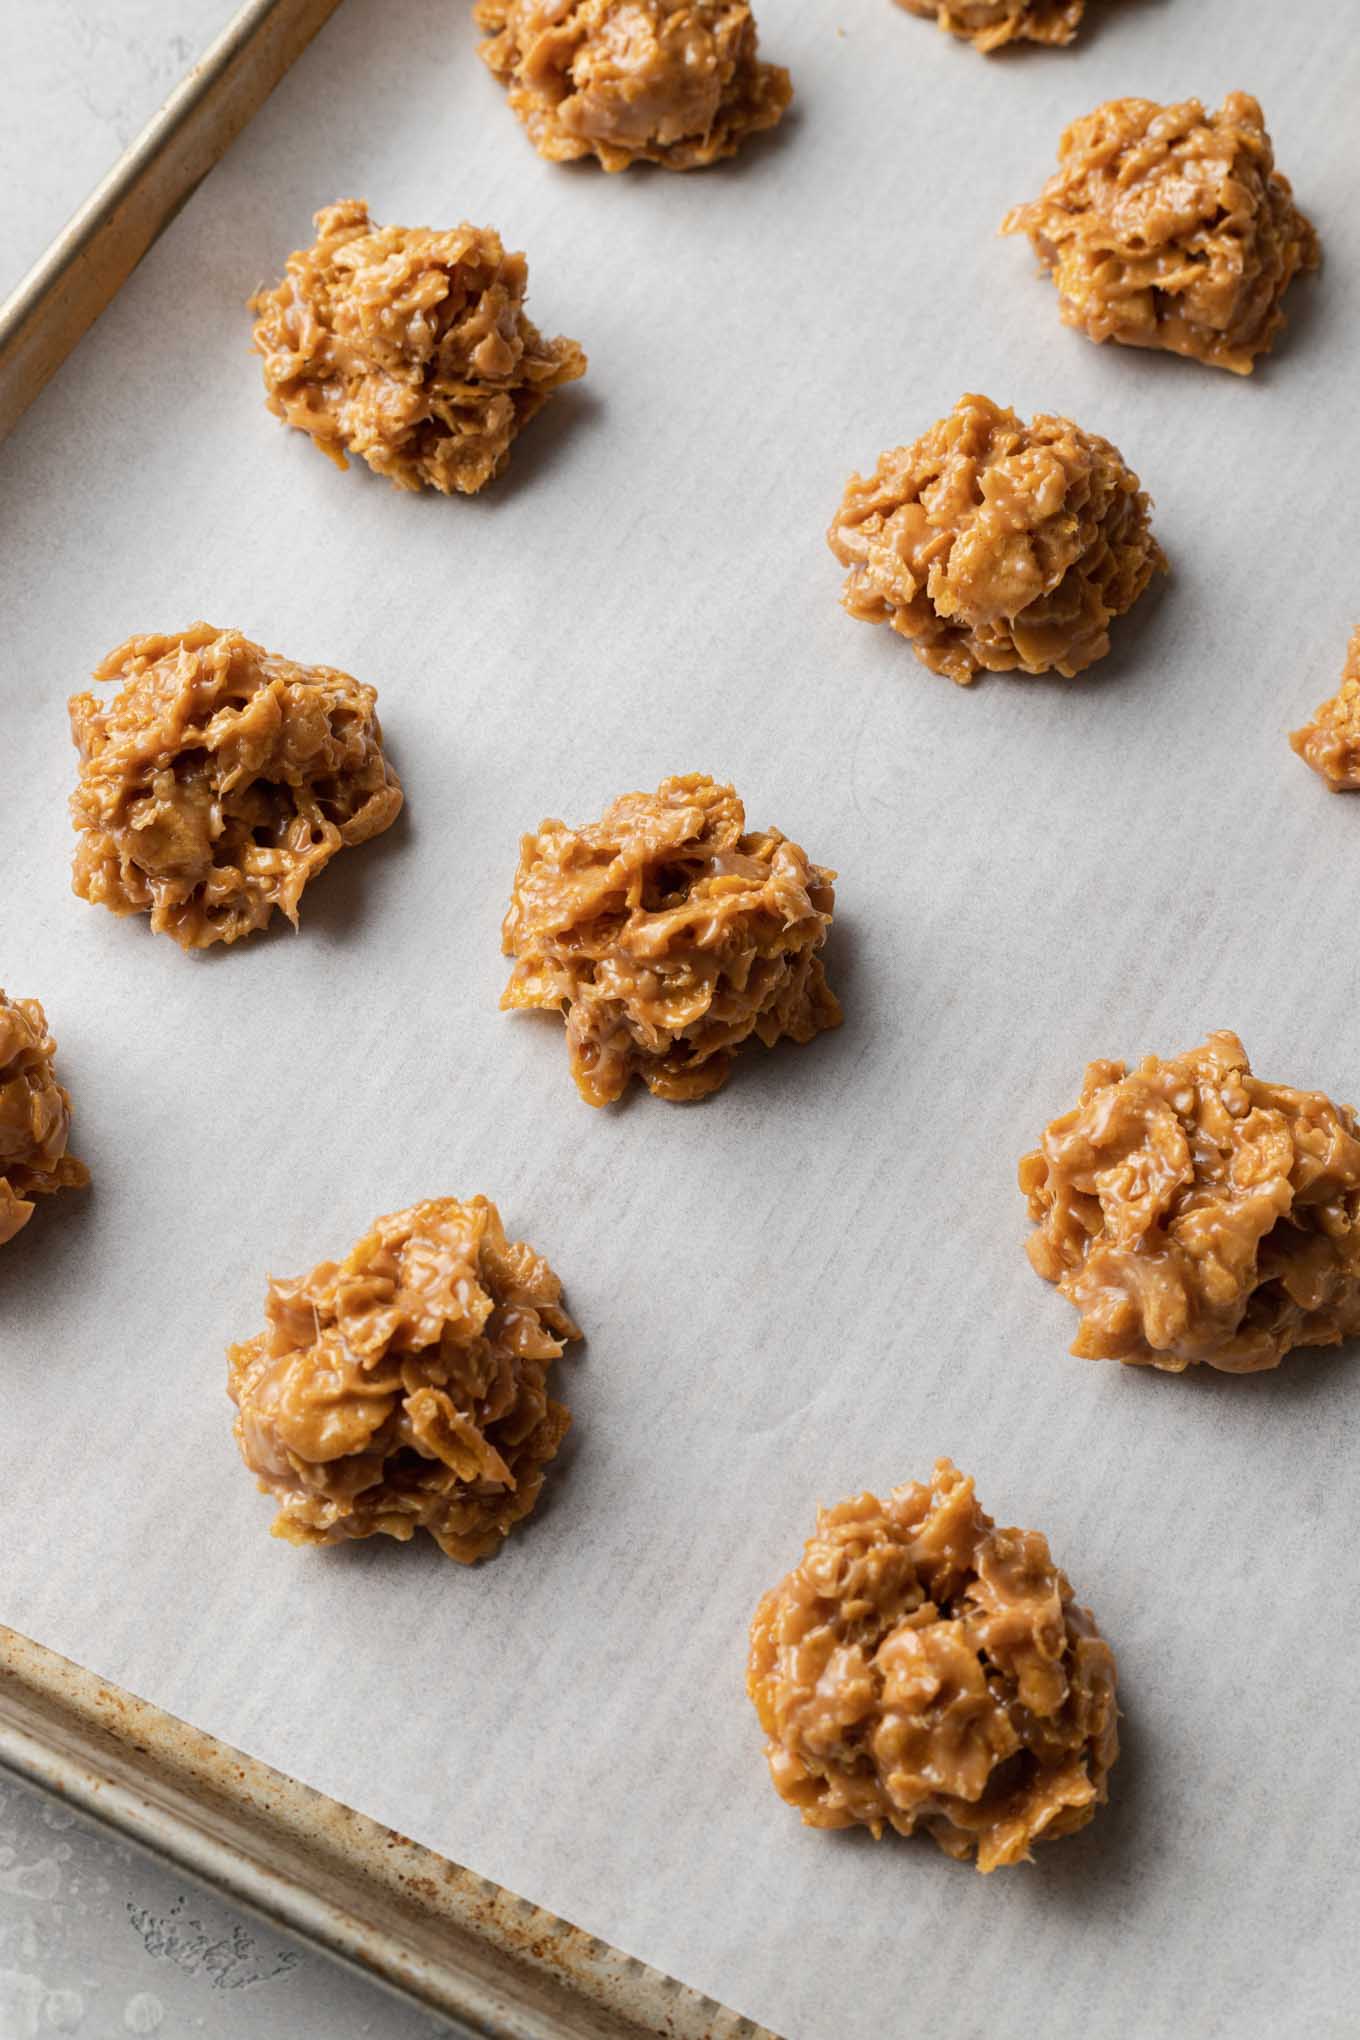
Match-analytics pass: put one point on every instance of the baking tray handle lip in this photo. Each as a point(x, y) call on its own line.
point(63, 295)
point(89, 220)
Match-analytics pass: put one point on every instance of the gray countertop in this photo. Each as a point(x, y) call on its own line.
point(79, 81)
point(100, 1939)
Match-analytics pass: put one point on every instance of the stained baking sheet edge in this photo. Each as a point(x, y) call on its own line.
point(502, 1968)
point(95, 253)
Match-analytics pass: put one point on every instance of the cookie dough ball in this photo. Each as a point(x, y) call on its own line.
point(1166, 226)
point(1193, 1213)
point(409, 348)
point(922, 1669)
point(674, 82)
point(405, 1388)
point(989, 543)
point(35, 1117)
point(219, 780)
point(987, 24)
point(667, 935)
point(1330, 743)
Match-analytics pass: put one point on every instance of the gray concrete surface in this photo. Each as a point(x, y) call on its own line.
point(79, 80)
point(100, 1939)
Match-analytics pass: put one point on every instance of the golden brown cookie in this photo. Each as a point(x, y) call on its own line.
point(991, 544)
point(991, 24)
point(35, 1117)
point(921, 1669)
point(673, 82)
point(1170, 227)
point(1193, 1213)
point(409, 348)
point(405, 1387)
point(219, 781)
point(1330, 743)
point(667, 934)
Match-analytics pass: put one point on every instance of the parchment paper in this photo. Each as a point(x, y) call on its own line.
point(814, 1282)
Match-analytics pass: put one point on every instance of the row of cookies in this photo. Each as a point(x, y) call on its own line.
point(221, 778)
point(1191, 1211)
point(680, 83)
point(409, 348)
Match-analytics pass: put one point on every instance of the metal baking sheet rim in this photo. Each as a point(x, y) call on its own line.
point(64, 293)
point(496, 1964)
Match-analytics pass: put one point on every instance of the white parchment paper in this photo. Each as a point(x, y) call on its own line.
point(814, 1282)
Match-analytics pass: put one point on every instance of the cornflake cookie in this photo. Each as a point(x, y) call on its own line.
point(1193, 1213)
point(922, 1669)
point(989, 543)
point(1166, 226)
point(988, 24)
point(667, 935)
point(404, 1388)
point(1330, 743)
point(409, 348)
point(35, 1117)
point(674, 82)
point(219, 780)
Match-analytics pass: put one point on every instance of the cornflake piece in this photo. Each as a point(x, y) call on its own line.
point(667, 936)
point(219, 780)
point(989, 543)
point(409, 348)
point(988, 24)
point(1330, 743)
point(1168, 227)
point(674, 82)
point(922, 1669)
point(404, 1388)
point(35, 1117)
point(1193, 1213)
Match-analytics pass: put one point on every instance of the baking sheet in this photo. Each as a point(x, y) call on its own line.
point(816, 1281)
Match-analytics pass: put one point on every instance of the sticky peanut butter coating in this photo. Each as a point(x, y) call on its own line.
point(990, 24)
point(921, 1669)
point(1170, 227)
point(668, 935)
point(672, 82)
point(1330, 743)
point(1195, 1214)
point(219, 781)
point(408, 348)
point(35, 1117)
point(405, 1387)
point(991, 544)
